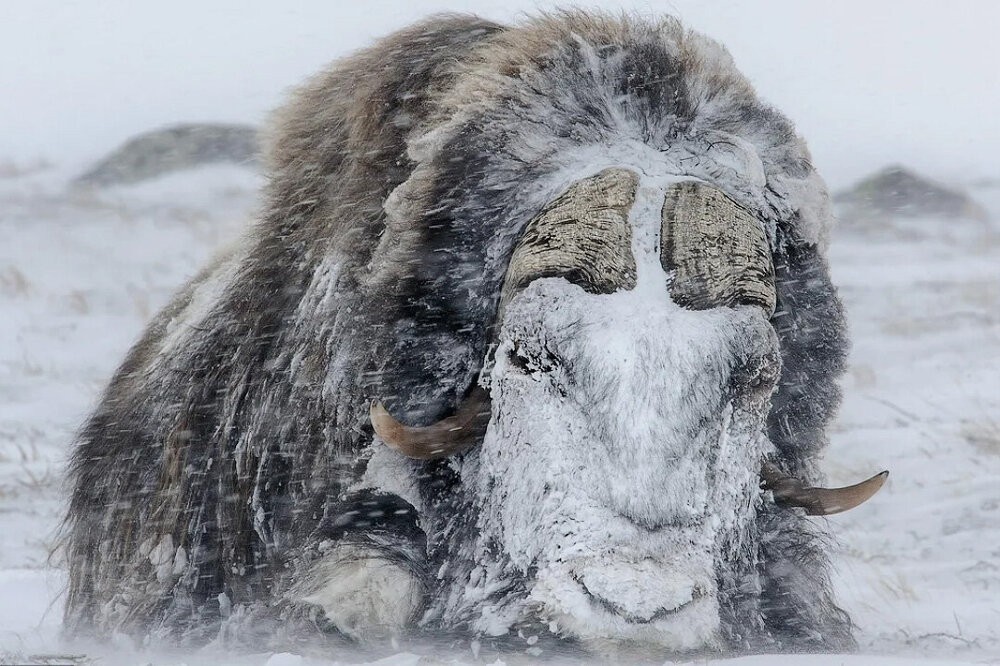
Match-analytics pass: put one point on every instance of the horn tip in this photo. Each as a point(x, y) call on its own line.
point(380, 418)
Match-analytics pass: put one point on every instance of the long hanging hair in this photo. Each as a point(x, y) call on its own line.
point(398, 181)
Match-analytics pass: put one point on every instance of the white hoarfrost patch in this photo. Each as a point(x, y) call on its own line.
point(391, 472)
point(161, 556)
point(220, 274)
point(363, 594)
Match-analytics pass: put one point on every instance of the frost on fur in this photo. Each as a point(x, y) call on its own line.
point(366, 596)
point(229, 483)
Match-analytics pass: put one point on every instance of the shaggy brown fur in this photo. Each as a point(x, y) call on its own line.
point(221, 457)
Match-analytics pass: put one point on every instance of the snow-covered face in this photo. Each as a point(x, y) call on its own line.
point(621, 465)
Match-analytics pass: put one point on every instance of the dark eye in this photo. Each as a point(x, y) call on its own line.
point(529, 361)
point(754, 380)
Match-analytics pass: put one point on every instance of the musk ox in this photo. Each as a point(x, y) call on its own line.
point(533, 341)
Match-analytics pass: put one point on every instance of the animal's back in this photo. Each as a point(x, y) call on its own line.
point(219, 441)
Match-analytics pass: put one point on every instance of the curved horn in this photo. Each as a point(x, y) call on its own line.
point(717, 250)
point(789, 491)
point(438, 440)
point(583, 235)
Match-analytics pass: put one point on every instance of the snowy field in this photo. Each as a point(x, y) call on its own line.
point(919, 566)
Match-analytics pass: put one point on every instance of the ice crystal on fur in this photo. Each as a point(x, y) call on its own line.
point(229, 484)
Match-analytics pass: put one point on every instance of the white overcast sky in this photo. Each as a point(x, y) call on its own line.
point(867, 82)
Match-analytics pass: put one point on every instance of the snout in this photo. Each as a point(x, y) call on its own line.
point(649, 601)
point(640, 593)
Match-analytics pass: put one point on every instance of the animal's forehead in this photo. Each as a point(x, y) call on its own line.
point(640, 323)
point(541, 92)
point(723, 161)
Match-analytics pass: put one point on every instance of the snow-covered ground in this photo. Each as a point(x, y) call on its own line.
point(919, 566)
point(80, 274)
point(920, 571)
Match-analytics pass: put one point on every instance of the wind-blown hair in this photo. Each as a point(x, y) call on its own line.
point(229, 449)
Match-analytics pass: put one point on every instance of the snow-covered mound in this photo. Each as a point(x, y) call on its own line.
point(175, 148)
point(897, 201)
point(919, 567)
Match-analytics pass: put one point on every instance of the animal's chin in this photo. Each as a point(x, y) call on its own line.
point(614, 606)
point(652, 614)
